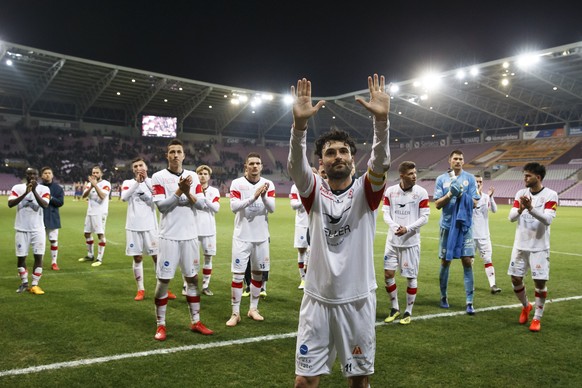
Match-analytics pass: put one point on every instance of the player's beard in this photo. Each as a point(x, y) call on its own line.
point(339, 174)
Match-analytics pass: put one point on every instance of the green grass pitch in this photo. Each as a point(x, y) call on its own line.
point(88, 331)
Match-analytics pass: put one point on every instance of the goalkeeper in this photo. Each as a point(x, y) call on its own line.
point(450, 188)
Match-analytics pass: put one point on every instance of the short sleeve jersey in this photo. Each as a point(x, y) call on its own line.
point(98, 206)
point(532, 235)
point(251, 223)
point(141, 216)
point(205, 217)
point(180, 222)
point(29, 214)
point(405, 208)
point(481, 217)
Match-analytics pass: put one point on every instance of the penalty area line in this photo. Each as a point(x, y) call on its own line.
point(212, 345)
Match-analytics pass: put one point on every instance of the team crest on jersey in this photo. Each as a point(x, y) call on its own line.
point(357, 350)
point(303, 349)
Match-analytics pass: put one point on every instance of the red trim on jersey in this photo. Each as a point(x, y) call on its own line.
point(293, 196)
point(107, 188)
point(386, 201)
point(423, 204)
point(125, 188)
point(308, 201)
point(14, 194)
point(516, 204)
point(552, 205)
point(373, 197)
point(46, 195)
point(216, 199)
point(235, 194)
point(159, 190)
point(271, 193)
point(199, 189)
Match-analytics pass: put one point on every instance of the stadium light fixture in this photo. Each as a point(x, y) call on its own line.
point(527, 60)
point(9, 62)
point(288, 99)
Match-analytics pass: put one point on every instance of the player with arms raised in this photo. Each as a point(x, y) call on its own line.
point(338, 310)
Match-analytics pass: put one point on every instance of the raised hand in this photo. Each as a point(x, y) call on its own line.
point(303, 110)
point(379, 104)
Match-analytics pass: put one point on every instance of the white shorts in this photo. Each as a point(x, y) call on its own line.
point(95, 224)
point(407, 259)
point(23, 240)
point(138, 243)
point(483, 245)
point(52, 234)
point(174, 253)
point(328, 330)
point(522, 261)
point(300, 240)
point(208, 244)
point(258, 252)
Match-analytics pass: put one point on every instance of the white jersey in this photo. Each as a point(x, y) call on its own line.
point(481, 216)
point(178, 222)
point(300, 213)
point(251, 221)
point(29, 214)
point(98, 206)
point(408, 208)
point(141, 211)
point(205, 217)
point(532, 234)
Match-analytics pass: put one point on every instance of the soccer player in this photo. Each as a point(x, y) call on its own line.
point(456, 194)
point(207, 224)
point(52, 217)
point(481, 235)
point(338, 311)
point(97, 191)
point(252, 198)
point(177, 192)
point(141, 223)
point(406, 210)
point(534, 209)
point(300, 239)
point(30, 199)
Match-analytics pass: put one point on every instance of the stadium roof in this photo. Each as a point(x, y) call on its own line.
point(544, 95)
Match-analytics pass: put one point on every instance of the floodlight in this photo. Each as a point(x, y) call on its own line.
point(288, 99)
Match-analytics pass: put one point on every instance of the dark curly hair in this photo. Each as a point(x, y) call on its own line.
point(334, 135)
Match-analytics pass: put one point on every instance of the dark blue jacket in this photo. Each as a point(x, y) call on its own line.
point(52, 218)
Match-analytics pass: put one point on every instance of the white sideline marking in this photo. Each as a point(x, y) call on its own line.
point(273, 337)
